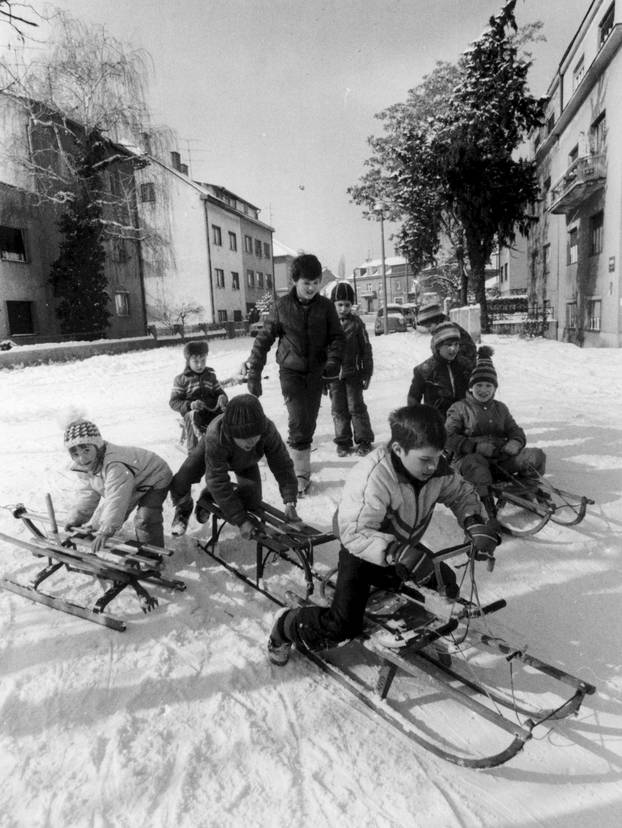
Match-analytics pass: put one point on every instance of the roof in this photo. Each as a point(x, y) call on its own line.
point(390, 261)
point(280, 249)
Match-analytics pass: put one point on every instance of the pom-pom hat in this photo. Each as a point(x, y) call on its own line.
point(342, 292)
point(195, 348)
point(244, 417)
point(484, 370)
point(443, 334)
point(429, 315)
point(82, 433)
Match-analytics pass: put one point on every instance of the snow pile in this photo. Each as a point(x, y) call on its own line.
point(181, 721)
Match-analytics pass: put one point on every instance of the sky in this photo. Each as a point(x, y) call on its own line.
point(275, 99)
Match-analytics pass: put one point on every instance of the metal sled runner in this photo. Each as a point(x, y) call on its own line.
point(121, 563)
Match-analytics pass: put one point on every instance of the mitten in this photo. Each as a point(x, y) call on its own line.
point(365, 383)
point(410, 561)
point(331, 371)
point(484, 537)
point(486, 448)
point(254, 385)
point(512, 447)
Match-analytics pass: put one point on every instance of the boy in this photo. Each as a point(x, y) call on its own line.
point(385, 508)
point(235, 441)
point(346, 393)
point(311, 342)
point(197, 395)
point(123, 478)
point(481, 430)
point(444, 377)
point(430, 316)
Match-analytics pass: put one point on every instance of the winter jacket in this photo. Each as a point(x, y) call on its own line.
point(439, 383)
point(190, 386)
point(357, 355)
point(380, 504)
point(468, 348)
point(468, 420)
point(222, 455)
point(309, 334)
point(123, 476)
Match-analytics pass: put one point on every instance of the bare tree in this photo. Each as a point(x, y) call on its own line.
point(17, 15)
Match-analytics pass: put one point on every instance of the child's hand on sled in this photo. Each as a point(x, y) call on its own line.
point(100, 541)
point(484, 537)
point(248, 530)
point(486, 448)
point(291, 516)
point(512, 447)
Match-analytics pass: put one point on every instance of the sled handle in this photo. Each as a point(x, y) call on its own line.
point(51, 513)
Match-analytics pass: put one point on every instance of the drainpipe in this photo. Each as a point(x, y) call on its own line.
point(209, 260)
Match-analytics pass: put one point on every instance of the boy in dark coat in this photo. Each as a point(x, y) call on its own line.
point(430, 316)
point(197, 395)
point(311, 343)
point(348, 408)
point(386, 506)
point(444, 377)
point(481, 431)
point(235, 441)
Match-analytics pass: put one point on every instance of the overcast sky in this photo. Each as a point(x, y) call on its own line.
point(274, 99)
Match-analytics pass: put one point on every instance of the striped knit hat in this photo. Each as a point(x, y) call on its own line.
point(444, 333)
point(430, 315)
point(82, 433)
point(484, 370)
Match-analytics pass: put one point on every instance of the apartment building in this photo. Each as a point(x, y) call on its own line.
point(367, 280)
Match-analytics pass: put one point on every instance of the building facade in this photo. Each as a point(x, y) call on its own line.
point(367, 280)
point(574, 253)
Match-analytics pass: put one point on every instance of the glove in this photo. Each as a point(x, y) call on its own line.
point(198, 405)
point(484, 537)
point(247, 530)
point(291, 516)
point(365, 383)
point(331, 371)
point(410, 562)
point(254, 385)
point(486, 448)
point(222, 402)
point(512, 447)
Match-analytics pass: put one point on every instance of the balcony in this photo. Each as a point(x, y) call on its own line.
point(583, 177)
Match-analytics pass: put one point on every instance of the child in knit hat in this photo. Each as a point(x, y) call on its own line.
point(429, 316)
point(197, 395)
point(234, 442)
point(481, 433)
point(444, 377)
point(350, 415)
point(115, 480)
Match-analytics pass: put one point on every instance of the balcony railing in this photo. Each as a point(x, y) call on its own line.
point(582, 178)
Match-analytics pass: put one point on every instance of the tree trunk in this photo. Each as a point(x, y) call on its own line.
point(478, 259)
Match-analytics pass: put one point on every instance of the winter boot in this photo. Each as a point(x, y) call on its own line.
point(363, 449)
point(302, 467)
point(278, 647)
point(203, 511)
point(181, 517)
point(343, 451)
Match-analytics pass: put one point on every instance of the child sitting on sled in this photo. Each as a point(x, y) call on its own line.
point(386, 506)
point(234, 442)
point(118, 479)
point(483, 437)
point(197, 395)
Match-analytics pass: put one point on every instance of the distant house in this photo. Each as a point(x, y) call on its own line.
point(367, 281)
point(283, 258)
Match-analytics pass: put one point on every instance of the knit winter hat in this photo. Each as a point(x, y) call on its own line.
point(82, 433)
point(244, 417)
point(196, 348)
point(484, 370)
point(443, 334)
point(430, 314)
point(342, 292)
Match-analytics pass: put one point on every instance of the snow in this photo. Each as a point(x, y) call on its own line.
point(181, 721)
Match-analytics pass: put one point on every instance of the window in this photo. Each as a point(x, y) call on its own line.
point(250, 278)
point(578, 72)
point(122, 303)
point(115, 182)
point(237, 315)
point(233, 241)
point(573, 154)
point(235, 280)
point(260, 280)
point(222, 315)
point(546, 259)
point(573, 246)
point(258, 251)
point(12, 248)
point(571, 315)
point(147, 192)
point(248, 244)
point(550, 124)
point(20, 318)
point(269, 281)
point(266, 250)
point(606, 24)
point(505, 272)
point(596, 233)
point(593, 314)
point(598, 131)
point(217, 235)
point(220, 277)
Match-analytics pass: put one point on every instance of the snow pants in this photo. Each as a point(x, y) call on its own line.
point(350, 415)
point(476, 468)
point(318, 628)
point(148, 520)
point(302, 394)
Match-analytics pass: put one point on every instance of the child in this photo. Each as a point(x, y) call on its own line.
point(444, 377)
point(430, 316)
point(197, 395)
point(346, 393)
point(234, 441)
point(481, 431)
point(123, 478)
point(311, 342)
point(385, 508)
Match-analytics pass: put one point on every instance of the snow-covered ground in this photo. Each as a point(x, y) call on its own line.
point(181, 721)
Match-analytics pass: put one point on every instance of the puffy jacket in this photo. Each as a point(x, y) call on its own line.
point(122, 477)
point(309, 334)
point(222, 455)
point(190, 386)
point(439, 383)
point(380, 504)
point(469, 419)
point(357, 353)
